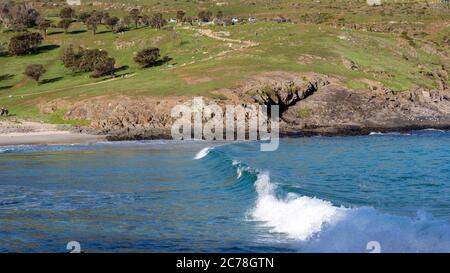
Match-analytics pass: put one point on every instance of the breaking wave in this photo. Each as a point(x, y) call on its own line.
point(311, 224)
point(203, 152)
point(319, 226)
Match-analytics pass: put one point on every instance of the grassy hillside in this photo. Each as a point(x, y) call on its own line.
point(406, 42)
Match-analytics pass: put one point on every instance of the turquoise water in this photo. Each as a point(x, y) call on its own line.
point(316, 194)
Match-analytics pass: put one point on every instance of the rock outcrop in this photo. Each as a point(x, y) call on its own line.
point(309, 104)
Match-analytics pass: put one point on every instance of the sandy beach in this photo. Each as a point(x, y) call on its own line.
point(30, 133)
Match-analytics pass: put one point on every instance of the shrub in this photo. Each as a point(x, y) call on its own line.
point(34, 71)
point(147, 57)
point(25, 43)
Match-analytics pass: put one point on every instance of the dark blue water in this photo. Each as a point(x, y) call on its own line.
point(314, 194)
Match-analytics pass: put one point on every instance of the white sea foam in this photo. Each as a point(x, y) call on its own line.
point(299, 217)
point(388, 134)
point(317, 225)
point(434, 130)
point(202, 153)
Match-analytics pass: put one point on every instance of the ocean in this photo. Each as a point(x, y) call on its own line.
point(314, 194)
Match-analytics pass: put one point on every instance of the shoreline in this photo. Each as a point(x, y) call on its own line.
point(50, 137)
point(32, 133)
point(13, 132)
point(292, 133)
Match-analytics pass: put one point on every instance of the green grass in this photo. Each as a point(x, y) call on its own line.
point(195, 70)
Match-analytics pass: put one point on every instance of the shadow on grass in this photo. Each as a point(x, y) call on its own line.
point(54, 33)
point(122, 68)
point(52, 80)
point(6, 87)
point(159, 62)
point(123, 75)
point(5, 77)
point(47, 48)
point(103, 32)
point(7, 116)
point(77, 32)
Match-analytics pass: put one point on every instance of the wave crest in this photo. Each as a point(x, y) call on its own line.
point(318, 226)
point(300, 217)
point(203, 152)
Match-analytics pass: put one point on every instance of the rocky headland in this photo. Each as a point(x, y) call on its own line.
point(310, 104)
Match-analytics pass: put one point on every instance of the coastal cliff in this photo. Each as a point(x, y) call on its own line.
point(310, 104)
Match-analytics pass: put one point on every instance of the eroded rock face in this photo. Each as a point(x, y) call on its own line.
point(309, 104)
point(334, 109)
point(286, 95)
point(126, 117)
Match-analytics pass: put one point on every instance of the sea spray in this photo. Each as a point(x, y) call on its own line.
point(299, 217)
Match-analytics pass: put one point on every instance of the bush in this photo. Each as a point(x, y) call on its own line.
point(25, 43)
point(34, 71)
point(147, 57)
point(88, 60)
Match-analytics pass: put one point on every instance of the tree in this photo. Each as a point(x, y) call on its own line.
point(71, 58)
point(146, 20)
point(67, 13)
point(127, 21)
point(157, 21)
point(111, 22)
point(181, 16)
point(93, 21)
point(83, 16)
point(34, 71)
point(43, 25)
point(134, 13)
point(18, 15)
point(65, 24)
point(25, 43)
point(147, 57)
point(88, 60)
point(104, 67)
point(2, 48)
point(205, 16)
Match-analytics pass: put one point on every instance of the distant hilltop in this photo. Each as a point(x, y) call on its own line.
point(73, 2)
